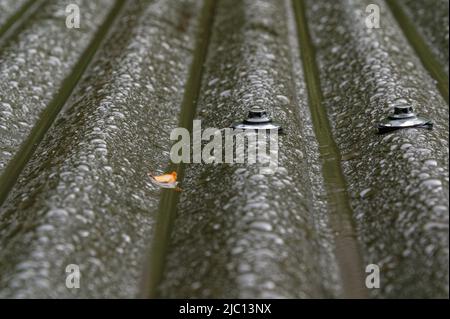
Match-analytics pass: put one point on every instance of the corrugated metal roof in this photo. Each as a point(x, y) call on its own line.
point(87, 113)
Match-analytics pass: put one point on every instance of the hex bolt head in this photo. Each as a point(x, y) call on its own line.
point(257, 115)
point(403, 117)
point(403, 112)
point(257, 119)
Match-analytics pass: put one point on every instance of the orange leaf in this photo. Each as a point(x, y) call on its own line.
point(165, 178)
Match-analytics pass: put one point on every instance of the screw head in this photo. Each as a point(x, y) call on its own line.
point(401, 112)
point(403, 117)
point(257, 115)
point(257, 119)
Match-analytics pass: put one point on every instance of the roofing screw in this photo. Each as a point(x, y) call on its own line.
point(257, 119)
point(403, 117)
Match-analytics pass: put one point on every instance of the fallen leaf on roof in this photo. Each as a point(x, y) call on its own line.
point(166, 180)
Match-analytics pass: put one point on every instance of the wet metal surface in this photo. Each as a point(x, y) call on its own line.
point(341, 221)
point(431, 60)
point(35, 62)
point(85, 197)
point(86, 114)
point(398, 182)
point(431, 20)
point(8, 12)
point(239, 233)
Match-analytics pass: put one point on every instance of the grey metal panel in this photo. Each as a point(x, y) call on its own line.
point(34, 63)
point(431, 20)
point(8, 8)
point(85, 197)
point(398, 182)
point(238, 232)
point(343, 196)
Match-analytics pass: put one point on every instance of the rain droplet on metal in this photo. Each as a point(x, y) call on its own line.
point(403, 117)
point(257, 119)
